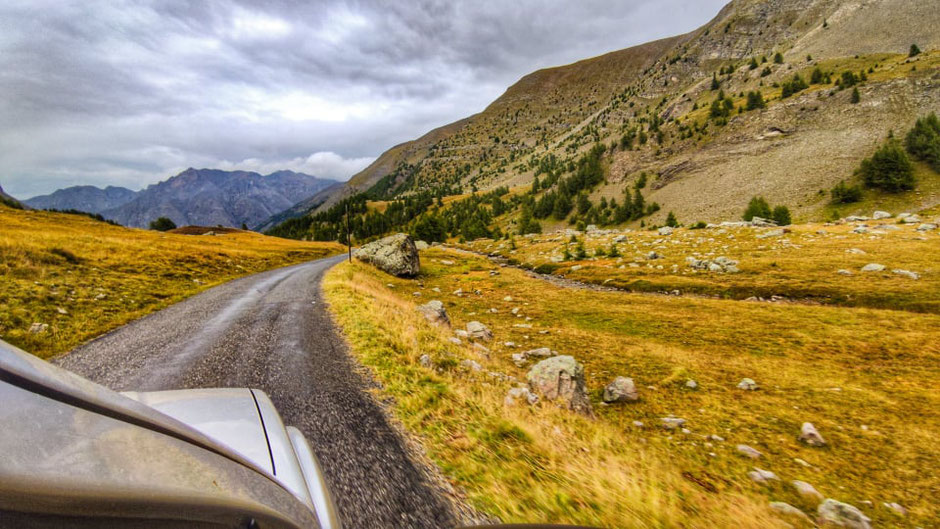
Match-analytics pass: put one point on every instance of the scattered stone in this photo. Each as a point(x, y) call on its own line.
point(478, 331)
point(806, 490)
point(788, 510)
point(425, 360)
point(759, 475)
point(748, 384)
point(665, 230)
point(713, 437)
point(672, 423)
point(691, 384)
point(838, 514)
point(447, 262)
point(927, 227)
point(719, 264)
point(897, 508)
point(811, 436)
point(561, 378)
point(638, 424)
point(748, 451)
point(861, 230)
point(519, 359)
point(395, 255)
point(61, 311)
point(421, 245)
point(520, 394)
point(434, 312)
point(759, 222)
point(575, 268)
point(462, 333)
point(620, 238)
point(856, 251)
point(38, 328)
point(507, 298)
point(622, 389)
point(653, 256)
point(801, 462)
point(471, 365)
point(771, 233)
point(906, 273)
point(907, 218)
point(873, 267)
point(878, 215)
point(844, 272)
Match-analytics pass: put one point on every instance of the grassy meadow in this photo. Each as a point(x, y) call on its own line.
point(83, 277)
point(865, 377)
point(802, 264)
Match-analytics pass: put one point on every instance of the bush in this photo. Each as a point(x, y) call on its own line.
point(162, 224)
point(856, 97)
point(923, 141)
point(546, 268)
point(671, 220)
point(793, 86)
point(781, 216)
point(845, 194)
point(755, 100)
point(700, 225)
point(778, 58)
point(757, 207)
point(889, 169)
point(915, 51)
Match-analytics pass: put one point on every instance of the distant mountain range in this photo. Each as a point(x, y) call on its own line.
point(7, 200)
point(205, 197)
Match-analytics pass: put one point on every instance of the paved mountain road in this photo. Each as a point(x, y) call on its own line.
point(271, 331)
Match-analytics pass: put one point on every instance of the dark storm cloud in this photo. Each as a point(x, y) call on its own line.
point(128, 93)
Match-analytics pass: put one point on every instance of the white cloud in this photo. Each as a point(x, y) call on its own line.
point(321, 164)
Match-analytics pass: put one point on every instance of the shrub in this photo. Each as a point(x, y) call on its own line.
point(162, 224)
point(856, 97)
point(845, 194)
point(700, 225)
point(671, 220)
point(915, 51)
point(889, 169)
point(793, 86)
point(757, 207)
point(614, 251)
point(817, 76)
point(755, 100)
point(546, 268)
point(923, 141)
point(778, 58)
point(781, 216)
point(579, 251)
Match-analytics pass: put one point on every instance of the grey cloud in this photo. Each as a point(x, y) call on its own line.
point(127, 92)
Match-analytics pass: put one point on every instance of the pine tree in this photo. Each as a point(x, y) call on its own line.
point(889, 169)
point(923, 140)
point(778, 58)
point(856, 97)
point(753, 65)
point(671, 220)
point(781, 216)
point(715, 84)
point(755, 100)
point(915, 51)
point(757, 207)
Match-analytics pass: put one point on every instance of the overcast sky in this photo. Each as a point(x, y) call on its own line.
point(128, 93)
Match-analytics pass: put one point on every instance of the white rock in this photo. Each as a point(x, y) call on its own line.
point(748, 384)
point(691, 384)
point(906, 273)
point(621, 389)
point(748, 451)
point(471, 365)
point(836, 513)
point(878, 215)
point(788, 510)
point(479, 331)
point(425, 360)
point(873, 267)
point(897, 508)
point(759, 475)
point(806, 490)
point(811, 436)
point(520, 394)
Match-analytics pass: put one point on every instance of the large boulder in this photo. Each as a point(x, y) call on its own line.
point(395, 255)
point(478, 331)
point(834, 513)
point(622, 389)
point(561, 379)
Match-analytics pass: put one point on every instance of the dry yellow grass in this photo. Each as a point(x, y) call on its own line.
point(83, 277)
point(864, 377)
point(802, 264)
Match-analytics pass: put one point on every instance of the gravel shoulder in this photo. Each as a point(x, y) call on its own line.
point(272, 331)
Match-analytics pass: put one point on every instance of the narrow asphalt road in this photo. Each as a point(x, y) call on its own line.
point(272, 331)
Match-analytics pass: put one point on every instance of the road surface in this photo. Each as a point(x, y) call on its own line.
point(272, 331)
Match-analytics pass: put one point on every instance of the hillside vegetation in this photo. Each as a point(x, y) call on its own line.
point(864, 377)
point(67, 278)
point(782, 99)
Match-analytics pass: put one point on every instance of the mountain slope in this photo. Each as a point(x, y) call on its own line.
point(210, 197)
point(90, 199)
point(702, 168)
point(301, 207)
point(9, 201)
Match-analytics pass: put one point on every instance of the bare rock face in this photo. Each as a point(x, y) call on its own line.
point(434, 312)
point(561, 379)
point(395, 255)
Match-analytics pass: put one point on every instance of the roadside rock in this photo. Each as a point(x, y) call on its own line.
point(434, 312)
point(759, 475)
point(561, 378)
point(38, 328)
point(811, 436)
point(622, 389)
point(806, 490)
point(748, 451)
point(479, 331)
point(395, 255)
point(520, 394)
point(837, 514)
point(748, 384)
point(788, 510)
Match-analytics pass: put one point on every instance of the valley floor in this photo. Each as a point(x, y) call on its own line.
point(865, 377)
